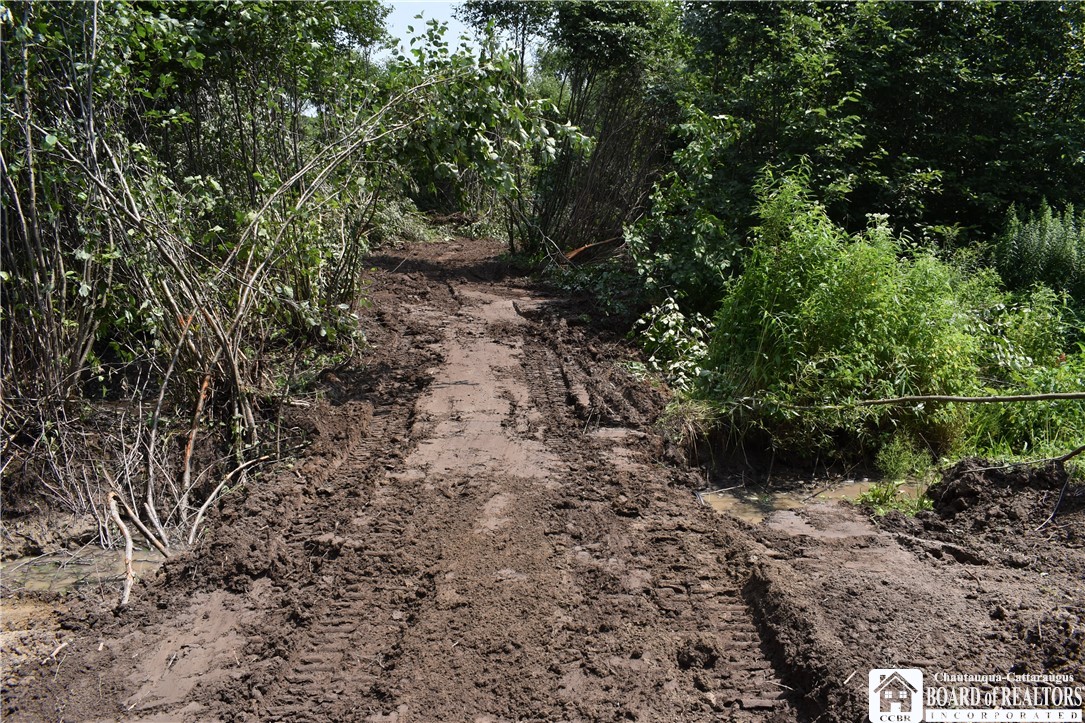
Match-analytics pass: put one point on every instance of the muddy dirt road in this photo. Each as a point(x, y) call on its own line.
point(482, 530)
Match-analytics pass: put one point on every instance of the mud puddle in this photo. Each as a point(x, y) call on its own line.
point(753, 505)
point(64, 572)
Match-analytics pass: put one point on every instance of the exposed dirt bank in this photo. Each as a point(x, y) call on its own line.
point(970, 588)
point(482, 530)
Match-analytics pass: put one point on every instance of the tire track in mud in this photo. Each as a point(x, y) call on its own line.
point(348, 613)
point(487, 578)
point(472, 546)
point(668, 567)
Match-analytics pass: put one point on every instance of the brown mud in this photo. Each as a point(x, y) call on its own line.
point(484, 529)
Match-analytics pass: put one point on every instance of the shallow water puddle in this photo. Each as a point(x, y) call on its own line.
point(754, 506)
point(62, 572)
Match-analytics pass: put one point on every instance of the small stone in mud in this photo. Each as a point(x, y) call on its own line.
point(1017, 560)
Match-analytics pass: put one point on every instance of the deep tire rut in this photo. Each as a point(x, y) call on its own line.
point(387, 578)
point(346, 633)
point(480, 533)
point(726, 657)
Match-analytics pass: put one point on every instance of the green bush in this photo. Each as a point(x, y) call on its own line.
point(901, 458)
point(1047, 247)
point(398, 220)
point(820, 320)
point(610, 284)
point(689, 245)
point(675, 343)
point(1047, 428)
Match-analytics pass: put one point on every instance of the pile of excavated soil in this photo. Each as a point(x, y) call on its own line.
point(976, 586)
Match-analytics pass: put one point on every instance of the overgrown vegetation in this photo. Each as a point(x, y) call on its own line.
point(889, 495)
point(1048, 248)
point(818, 204)
point(821, 319)
point(189, 192)
point(828, 223)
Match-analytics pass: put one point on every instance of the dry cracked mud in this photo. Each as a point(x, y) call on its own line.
point(483, 529)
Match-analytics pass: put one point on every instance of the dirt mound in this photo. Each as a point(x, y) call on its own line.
point(987, 513)
point(975, 481)
point(978, 585)
point(999, 517)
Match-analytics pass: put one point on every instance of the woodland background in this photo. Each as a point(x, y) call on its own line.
point(806, 206)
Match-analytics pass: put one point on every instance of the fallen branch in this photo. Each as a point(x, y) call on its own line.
point(158, 544)
point(129, 576)
point(754, 402)
point(971, 400)
point(1065, 485)
point(1070, 455)
point(56, 652)
point(143, 529)
point(211, 498)
point(190, 445)
point(594, 251)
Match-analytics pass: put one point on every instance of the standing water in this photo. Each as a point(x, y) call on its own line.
point(753, 506)
point(65, 571)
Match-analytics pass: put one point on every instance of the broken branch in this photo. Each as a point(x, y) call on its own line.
point(1065, 485)
point(158, 544)
point(129, 575)
point(214, 494)
point(971, 400)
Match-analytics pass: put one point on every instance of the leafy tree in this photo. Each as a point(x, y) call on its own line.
point(939, 115)
point(189, 190)
point(521, 22)
point(616, 65)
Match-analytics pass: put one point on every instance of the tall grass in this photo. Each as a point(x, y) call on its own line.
point(1046, 247)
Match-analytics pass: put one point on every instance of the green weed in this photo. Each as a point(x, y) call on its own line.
point(1046, 247)
point(901, 459)
point(889, 495)
point(688, 421)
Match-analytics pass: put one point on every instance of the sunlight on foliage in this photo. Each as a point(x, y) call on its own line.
point(821, 319)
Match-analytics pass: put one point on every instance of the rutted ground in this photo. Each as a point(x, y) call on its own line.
point(477, 534)
point(483, 530)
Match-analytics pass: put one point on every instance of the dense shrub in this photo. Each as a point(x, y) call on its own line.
point(821, 319)
point(1028, 428)
point(190, 190)
point(676, 342)
point(1047, 247)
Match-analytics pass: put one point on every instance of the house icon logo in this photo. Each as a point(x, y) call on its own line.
point(896, 695)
